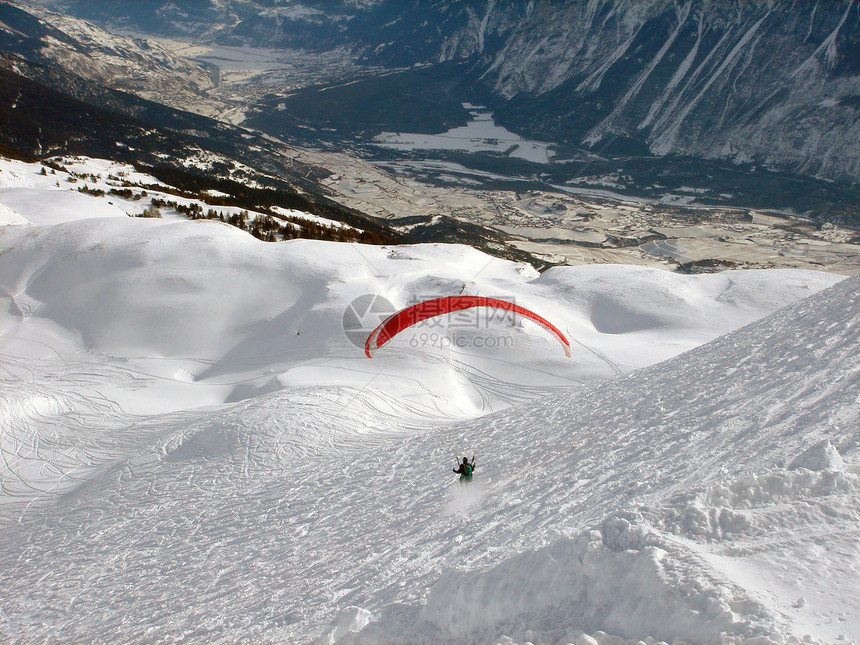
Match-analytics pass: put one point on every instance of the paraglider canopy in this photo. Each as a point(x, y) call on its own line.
point(413, 314)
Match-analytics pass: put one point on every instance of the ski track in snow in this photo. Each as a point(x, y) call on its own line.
point(241, 476)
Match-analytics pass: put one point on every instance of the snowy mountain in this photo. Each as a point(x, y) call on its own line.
point(195, 449)
point(194, 446)
point(771, 83)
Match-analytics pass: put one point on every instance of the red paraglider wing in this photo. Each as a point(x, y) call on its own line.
point(404, 318)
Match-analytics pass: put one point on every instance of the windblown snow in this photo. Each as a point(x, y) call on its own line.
point(195, 450)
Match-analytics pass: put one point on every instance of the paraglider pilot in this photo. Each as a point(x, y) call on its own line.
point(465, 470)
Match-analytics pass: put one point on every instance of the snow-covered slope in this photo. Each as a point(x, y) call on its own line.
point(194, 450)
point(712, 489)
point(183, 298)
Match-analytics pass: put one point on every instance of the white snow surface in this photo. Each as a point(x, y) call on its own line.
point(193, 450)
point(481, 134)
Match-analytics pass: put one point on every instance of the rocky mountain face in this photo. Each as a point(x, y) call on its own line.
point(78, 47)
point(774, 83)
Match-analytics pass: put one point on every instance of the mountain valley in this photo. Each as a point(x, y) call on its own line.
point(607, 202)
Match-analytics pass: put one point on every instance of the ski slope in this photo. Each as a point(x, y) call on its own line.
point(193, 450)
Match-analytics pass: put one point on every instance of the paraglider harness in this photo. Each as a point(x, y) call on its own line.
point(465, 470)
